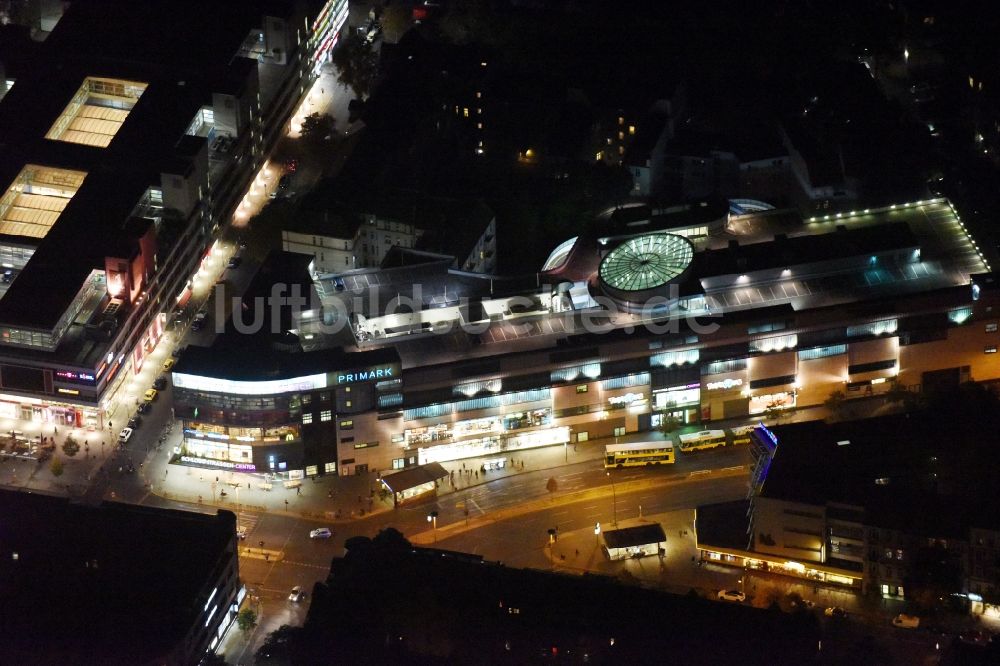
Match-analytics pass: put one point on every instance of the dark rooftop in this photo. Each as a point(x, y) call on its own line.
point(112, 38)
point(117, 583)
point(637, 535)
point(456, 608)
point(908, 471)
point(414, 476)
point(800, 250)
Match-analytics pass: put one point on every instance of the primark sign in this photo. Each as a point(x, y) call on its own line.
point(376, 373)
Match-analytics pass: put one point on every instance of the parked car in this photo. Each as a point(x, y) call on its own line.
point(124, 435)
point(241, 532)
point(150, 395)
point(321, 533)
point(144, 407)
point(296, 594)
point(234, 262)
point(284, 182)
point(160, 383)
point(198, 324)
point(835, 611)
point(905, 621)
point(135, 422)
point(732, 595)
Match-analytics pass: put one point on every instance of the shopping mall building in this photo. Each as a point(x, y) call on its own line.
point(620, 330)
point(120, 156)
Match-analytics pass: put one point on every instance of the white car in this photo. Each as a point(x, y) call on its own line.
point(905, 621)
point(296, 595)
point(125, 435)
point(321, 533)
point(241, 532)
point(732, 595)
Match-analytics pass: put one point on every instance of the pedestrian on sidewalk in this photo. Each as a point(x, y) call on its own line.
point(298, 491)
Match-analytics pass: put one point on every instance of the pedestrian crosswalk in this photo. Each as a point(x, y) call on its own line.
point(247, 520)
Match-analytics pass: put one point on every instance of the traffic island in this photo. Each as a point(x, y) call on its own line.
point(265, 554)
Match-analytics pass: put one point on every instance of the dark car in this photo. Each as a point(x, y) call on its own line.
point(160, 383)
point(144, 407)
point(197, 324)
point(135, 422)
point(285, 181)
point(234, 262)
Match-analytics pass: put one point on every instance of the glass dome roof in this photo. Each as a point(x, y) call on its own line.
point(646, 262)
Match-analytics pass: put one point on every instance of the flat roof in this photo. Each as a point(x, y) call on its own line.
point(121, 582)
point(637, 535)
point(412, 477)
point(911, 471)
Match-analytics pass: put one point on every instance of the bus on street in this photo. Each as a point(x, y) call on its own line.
point(706, 439)
point(638, 454)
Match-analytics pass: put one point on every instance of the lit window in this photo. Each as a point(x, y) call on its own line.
point(465, 112)
point(991, 327)
point(621, 136)
point(619, 431)
point(325, 415)
point(621, 120)
point(346, 425)
point(599, 156)
point(347, 403)
point(582, 388)
point(631, 129)
point(478, 94)
point(330, 467)
point(991, 349)
point(307, 418)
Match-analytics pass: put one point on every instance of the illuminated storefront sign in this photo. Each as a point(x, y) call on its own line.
point(677, 397)
point(267, 387)
point(493, 445)
point(75, 376)
point(728, 383)
point(626, 399)
point(761, 403)
point(369, 374)
point(225, 464)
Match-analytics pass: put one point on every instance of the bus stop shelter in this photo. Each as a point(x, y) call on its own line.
point(637, 541)
point(413, 482)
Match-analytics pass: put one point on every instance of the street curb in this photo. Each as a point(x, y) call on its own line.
point(431, 536)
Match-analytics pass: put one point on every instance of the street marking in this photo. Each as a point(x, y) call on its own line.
point(478, 508)
point(307, 564)
point(700, 472)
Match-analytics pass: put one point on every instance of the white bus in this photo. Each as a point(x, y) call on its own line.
point(706, 439)
point(638, 454)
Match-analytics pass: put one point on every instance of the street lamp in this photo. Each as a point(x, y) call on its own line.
point(432, 517)
point(614, 496)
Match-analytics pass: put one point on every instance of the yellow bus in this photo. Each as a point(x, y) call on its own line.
point(706, 439)
point(638, 454)
point(741, 434)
